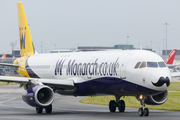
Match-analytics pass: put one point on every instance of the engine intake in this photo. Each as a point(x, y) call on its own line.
point(38, 96)
point(157, 99)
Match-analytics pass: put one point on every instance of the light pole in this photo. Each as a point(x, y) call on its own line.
point(163, 43)
point(41, 46)
point(127, 41)
point(151, 44)
point(13, 44)
point(163, 47)
point(166, 24)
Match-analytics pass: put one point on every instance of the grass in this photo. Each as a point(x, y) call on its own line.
point(11, 83)
point(173, 102)
point(5, 83)
point(174, 86)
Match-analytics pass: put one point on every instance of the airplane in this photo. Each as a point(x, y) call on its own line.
point(138, 73)
point(4, 56)
point(169, 62)
point(170, 58)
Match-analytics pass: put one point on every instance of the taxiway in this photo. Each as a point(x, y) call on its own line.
point(12, 107)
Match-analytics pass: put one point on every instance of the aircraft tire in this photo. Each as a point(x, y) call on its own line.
point(121, 106)
point(39, 110)
point(112, 106)
point(146, 112)
point(140, 112)
point(48, 109)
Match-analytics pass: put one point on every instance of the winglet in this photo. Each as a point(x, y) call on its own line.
point(170, 58)
point(26, 44)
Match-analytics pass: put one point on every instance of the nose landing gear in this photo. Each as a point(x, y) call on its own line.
point(143, 111)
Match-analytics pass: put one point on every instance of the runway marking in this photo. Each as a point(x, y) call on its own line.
point(12, 106)
point(1, 103)
point(8, 100)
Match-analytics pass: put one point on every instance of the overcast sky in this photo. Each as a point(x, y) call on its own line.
point(71, 23)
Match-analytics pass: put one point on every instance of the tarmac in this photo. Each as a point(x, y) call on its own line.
point(12, 107)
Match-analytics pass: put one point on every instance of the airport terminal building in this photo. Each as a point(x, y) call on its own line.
point(5, 70)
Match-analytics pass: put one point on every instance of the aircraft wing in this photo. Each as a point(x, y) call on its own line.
point(10, 65)
point(65, 83)
point(173, 66)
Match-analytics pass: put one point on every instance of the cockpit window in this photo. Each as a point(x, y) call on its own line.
point(137, 65)
point(143, 65)
point(161, 64)
point(152, 64)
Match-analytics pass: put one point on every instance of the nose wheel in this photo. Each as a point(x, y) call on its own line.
point(143, 111)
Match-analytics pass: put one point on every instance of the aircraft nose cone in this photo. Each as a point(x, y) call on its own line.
point(162, 81)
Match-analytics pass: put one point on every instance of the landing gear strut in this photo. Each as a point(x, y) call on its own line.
point(118, 103)
point(143, 111)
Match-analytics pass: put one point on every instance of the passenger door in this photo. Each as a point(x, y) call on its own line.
point(124, 65)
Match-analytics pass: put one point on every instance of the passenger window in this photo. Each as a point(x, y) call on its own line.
point(152, 64)
point(161, 64)
point(137, 65)
point(143, 65)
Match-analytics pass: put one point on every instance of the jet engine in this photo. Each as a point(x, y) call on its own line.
point(38, 96)
point(157, 99)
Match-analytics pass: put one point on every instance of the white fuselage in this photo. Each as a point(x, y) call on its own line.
point(102, 66)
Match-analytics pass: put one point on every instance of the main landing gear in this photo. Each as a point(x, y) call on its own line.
point(143, 111)
point(48, 109)
point(120, 104)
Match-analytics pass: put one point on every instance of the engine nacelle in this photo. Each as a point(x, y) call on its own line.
point(157, 99)
point(38, 96)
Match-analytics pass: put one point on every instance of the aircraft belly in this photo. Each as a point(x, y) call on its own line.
point(111, 86)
